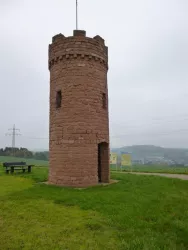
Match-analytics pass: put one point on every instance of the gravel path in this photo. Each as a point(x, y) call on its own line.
point(177, 176)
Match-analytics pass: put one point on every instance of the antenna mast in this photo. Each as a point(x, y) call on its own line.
point(76, 14)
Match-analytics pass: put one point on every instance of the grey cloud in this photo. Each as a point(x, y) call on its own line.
point(148, 58)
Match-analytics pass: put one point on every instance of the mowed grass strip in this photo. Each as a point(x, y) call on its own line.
point(153, 169)
point(139, 212)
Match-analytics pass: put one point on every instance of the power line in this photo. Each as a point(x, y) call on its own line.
point(13, 134)
point(147, 125)
point(159, 118)
point(36, 138)
point(158, 134)
point(123, 135)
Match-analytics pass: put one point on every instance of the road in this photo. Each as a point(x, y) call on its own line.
point(177, 176)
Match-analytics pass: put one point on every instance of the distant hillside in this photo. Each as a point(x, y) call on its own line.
point(140, 152)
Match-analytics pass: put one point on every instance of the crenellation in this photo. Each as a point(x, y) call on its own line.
point(57, 38)
point(99, 39)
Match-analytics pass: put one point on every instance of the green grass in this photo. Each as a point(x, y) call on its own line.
point(153, 169)
point(139, 212)
point(28, 161)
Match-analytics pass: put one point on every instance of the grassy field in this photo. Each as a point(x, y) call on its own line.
point(28, 161)
point(153, 169)
point(134, 168)
point(139, 212)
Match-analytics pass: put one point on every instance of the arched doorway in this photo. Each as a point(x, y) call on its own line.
point(103, 162)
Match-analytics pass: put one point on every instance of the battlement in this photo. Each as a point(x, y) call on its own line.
point(77, 34)
point(76, 46)
point(57, 37)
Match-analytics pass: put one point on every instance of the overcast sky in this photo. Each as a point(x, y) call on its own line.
point(148, 67)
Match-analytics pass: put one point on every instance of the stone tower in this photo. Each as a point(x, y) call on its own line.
point(79, 122)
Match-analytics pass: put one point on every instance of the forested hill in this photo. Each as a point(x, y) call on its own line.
point(24, 153)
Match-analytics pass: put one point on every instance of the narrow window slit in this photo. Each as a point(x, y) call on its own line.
point(58, 99)
point(104, 100)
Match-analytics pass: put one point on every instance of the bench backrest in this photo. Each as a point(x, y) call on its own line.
point(9, 164)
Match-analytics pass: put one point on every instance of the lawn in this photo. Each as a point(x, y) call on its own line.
point(139, 212)
point(153, 169)
point(28, 161)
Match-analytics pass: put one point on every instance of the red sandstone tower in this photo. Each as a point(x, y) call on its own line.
point(79, 122)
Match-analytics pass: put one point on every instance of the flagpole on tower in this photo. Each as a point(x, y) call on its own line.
point(77, 14)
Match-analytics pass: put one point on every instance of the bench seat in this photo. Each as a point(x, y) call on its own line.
point(11, 166)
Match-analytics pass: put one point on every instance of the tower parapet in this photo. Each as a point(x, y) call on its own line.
point(76, 46)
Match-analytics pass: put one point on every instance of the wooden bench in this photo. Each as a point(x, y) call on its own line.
point(11, 166)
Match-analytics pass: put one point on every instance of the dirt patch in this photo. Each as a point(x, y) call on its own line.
point(99, 184)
